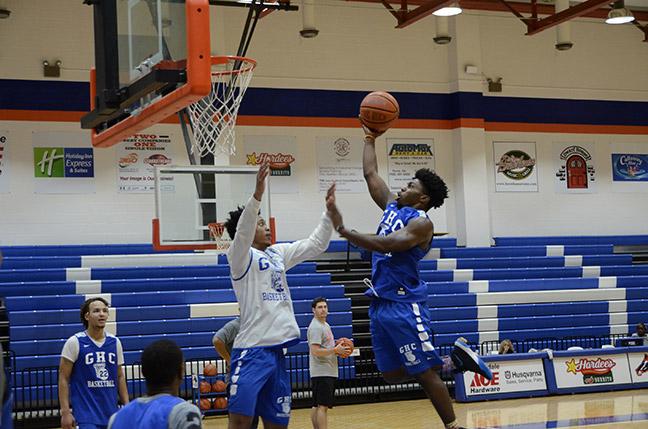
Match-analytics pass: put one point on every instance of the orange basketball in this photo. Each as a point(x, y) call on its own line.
point(220, 403)
point(205, 404)
point(219, 386)
point(205, 387)
point(347, 343)
point(379, 110)
point(210, 370)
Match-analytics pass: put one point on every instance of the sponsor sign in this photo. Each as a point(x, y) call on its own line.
point(628, 167)
point(508, 377)
point(282, 158)
point(137, 157)
point(575, 172)
point(339, 160)
point(584, 371)
point(63, 163)
point(404, 157)
point(4, 165)
point(638, 367)
point(515, 167)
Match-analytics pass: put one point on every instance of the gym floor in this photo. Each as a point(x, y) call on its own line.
point(610, 410)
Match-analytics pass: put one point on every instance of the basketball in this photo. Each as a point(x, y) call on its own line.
point(205, 404)
point(378, 111)
point(205, 387)
point(219, 386)
point(347, 343)
point(210, 370)
point(220, 403)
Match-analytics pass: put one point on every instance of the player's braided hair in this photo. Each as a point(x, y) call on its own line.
point(434, 187)
point(162, 364)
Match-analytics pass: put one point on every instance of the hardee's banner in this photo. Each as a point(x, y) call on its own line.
point(280, 152)
point(404, 157)
point(594, 370)
point(137, 157)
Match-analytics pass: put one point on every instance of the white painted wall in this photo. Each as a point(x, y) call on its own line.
point(357, 49)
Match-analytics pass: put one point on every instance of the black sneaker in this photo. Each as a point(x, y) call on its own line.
point(467, 360)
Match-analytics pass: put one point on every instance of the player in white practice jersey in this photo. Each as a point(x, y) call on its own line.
point(260, 384)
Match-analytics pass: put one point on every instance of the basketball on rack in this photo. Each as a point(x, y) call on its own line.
point(205, 387)
point(210, 370)
point(205, 404)
point(220, 403)
point(378, 111)
point(219, 386)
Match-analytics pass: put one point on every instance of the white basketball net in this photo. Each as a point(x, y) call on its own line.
point(216, 230)
point(213, 118)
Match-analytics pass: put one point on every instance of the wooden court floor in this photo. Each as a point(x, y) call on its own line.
point(611, 410)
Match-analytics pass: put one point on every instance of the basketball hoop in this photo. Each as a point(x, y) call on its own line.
point(213, 117)
point(216, 230)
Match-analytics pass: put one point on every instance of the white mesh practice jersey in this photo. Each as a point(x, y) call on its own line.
point(259, 280)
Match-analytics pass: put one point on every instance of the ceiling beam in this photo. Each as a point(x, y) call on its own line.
point(567, 14)
point(406, 17)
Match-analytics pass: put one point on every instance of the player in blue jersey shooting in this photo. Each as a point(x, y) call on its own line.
point(400, 318)
point(91, 377)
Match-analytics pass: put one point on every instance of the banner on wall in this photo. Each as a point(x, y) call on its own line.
point(629, 167)
point(281, 153)
point(63, 163)
point(339, 160)
point(404, 157)
point(515, 167)
point(586, 371)
point(638, 367)
point(4, 165)
point(575, 172)
point(137, 157)
point(508, 377)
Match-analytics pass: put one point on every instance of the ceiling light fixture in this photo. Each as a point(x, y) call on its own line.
point(451, 10)
point(619, 14)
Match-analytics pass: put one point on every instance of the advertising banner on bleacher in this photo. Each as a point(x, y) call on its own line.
point(638, 367)
point(508, 377)
point(515, 167)
point(594, 370)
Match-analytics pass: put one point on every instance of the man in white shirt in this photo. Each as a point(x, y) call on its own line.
point(260, 383)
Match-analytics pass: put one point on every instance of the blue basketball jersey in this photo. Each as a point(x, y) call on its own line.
point(160, 412)
point(395, 275)
point(93, 385)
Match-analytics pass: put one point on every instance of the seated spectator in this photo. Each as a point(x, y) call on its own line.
point(641, 333)
point(506, 347)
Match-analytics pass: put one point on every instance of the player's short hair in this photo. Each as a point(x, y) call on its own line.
point(433, 185)
point(86, 307)
point(317, 301)
point(162, 363)
point(232, 221)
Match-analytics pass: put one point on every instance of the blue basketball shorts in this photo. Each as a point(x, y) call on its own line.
point(402, 337)
point(260, 384)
